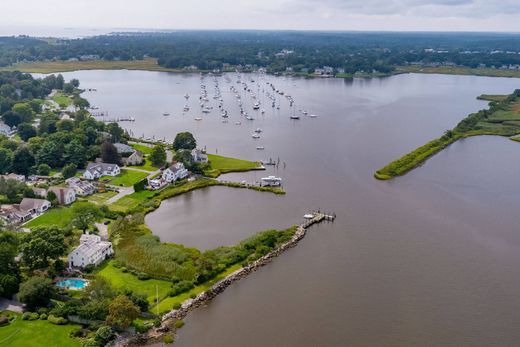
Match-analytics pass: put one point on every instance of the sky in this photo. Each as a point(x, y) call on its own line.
point(46, 17)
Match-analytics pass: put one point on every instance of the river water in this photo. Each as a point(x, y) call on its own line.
point(428, 259)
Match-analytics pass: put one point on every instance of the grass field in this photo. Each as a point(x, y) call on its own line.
point(131, 201)
point(127, 178)
point(122, 280)
point(62, 100)
point(143, 148)
point(101, 198)
point(449, 70)
point(147, 165)
point(220, 165)
point(59, 216)
point(149, 64)
point(38, 333)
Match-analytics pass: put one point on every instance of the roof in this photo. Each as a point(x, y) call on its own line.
point(29, 204)
point(123, 148)
point(176, 167)
point(57, 189)
point(101, 167)
point(89, 249)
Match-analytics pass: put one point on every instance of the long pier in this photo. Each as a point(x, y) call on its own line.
point(168, 320)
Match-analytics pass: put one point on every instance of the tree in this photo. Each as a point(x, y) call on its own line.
point(23, 160)
point(122, 312)
point(75, 153)
point(185, 157)
point(69, 170)
point(50, 153)
point(74, 82)
point(44, 169)
point(51, 196)
point(68, 88)
point(23, 111)
point(184, 140)
point(158, 156)
point(26, 131)
point(59, 82)
point(84, 214)
point(42, 246)
point(36, 292)
point(115, 131)
point(109, 153)
point(6, 158)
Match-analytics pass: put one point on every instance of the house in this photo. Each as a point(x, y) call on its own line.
point(175, 172)
point(81, 188)
point(13, 176)
point(96, 170)
point(14, 214)
point(123, 148)
point(136, 158)
point(91, 251)
point(65, 195)
point(34, 206)
point(199, 156)
point(6, 129)
point(41, 192)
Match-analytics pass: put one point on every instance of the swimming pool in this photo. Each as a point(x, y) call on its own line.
point(73, 283)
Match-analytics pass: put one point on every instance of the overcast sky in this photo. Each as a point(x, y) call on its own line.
point(22, 16)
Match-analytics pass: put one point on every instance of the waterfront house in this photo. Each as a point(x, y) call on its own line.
point(65, 195)
point(136, 158)
point(91, 251)
point(123, 148)
point(175, 172)
point(96, 170)
point(34, 206)
point(199, 156)
point(81, 188)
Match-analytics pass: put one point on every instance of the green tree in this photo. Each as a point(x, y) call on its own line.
point(23, 160)
point(122, 312)
point(69, 170)
point(26, 131)
point(68, 88)
point(59, 82)
point(84, 214)
point(50, 153)
point(51, 196)
point(109, 153)
point(74, 82)
point(184, 140)
point(185, 157)
point(6, 159)
point(158, 156)
point(36, 292)
point(115, 131)
point(42, 246)
point(24, 111)
point(44, 169)
point(75, 153)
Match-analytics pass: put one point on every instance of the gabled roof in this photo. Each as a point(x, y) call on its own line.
point(28, 204)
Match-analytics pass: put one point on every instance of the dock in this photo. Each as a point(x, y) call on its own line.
point(317, 217)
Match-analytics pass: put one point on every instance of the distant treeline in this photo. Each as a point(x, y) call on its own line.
point(276, 51)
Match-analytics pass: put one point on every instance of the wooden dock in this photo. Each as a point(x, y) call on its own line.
point(318, 217)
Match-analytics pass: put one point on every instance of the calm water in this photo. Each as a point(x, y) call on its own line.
point(429, 259)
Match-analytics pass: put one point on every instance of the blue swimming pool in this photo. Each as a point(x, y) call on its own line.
point(73, 283)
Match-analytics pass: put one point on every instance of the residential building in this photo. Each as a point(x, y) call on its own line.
point(65, 195)
point(175, 172)
point(199, 156)
point(41, 192)
point(34, 206)
point(91, 251)
point(123, 148)
point(6, 129)
point(136, 158)
point(14, 214)
point(13, 176)
point(96, 170)
point(81, 188)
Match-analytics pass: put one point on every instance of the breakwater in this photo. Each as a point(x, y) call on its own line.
point(169, 319)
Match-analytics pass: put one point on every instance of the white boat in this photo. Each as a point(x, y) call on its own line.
point(186, 96)
point(249, 118)
point(186, 108)
point(263, 111)
point(238, 123)
point(305, 112)
point(255, 136)
point(166, 114)
point(260, 148)
point(294, 116)
point(272, 181)
point(256, 106)
point(313, 115)
point(308, 216)
point(198, 118)
point(258, 130)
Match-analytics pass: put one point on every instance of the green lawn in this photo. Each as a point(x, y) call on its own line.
point(122, 280)
point(62, 100)
point(167, 304)
point(127, 178)
point(101, 198)
point(143, 148)
point(220, 165)
point(147, 165)
point(131, 201)
point(58, 216)
point(38, 333)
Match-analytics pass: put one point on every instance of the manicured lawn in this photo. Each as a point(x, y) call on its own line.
point(219, 165)
point(37, 333)
point(147, 165)
point(62, 100)
point(142, 148)
point(122, 280)
point(167, 304)
point(101, 198)
point(131, 201)
point(127, 178)
point(58, 216)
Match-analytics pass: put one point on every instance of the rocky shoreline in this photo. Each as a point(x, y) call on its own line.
point(169, 319)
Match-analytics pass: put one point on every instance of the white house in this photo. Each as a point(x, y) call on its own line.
point(96, 170)
point(81, 188)
point(199, 156)
point(65, 195)
point(175, 172)
point(6, 129)
point(34, 206)
point(91, 251)
point(136, 158)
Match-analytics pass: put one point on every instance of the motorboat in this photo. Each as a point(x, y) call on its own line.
point(166, 114)
point(198, 118)
point(272, 181)
point(258, 130)
point(260, 148)
point(255, 136)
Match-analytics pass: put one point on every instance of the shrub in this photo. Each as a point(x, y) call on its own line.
point(168, 339)
point(79, 332)
point(43, 316)
point(181, 287)
point(142, 276)
point(177, 306)
point(57, 320)
point(104, 334)
point(4, 320)
point(30, 316)
point(90, 343)
point(179, 324)
point(124, 269)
